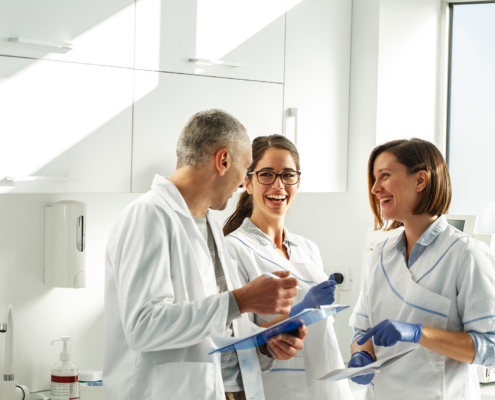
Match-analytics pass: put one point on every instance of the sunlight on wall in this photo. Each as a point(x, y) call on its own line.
point(49, 106)
point(217, 35)
point(407, 70)
point(148, 48)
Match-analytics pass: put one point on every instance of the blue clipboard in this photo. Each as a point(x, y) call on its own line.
point(308, 317)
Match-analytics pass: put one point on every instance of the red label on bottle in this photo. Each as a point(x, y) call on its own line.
point(64, 379)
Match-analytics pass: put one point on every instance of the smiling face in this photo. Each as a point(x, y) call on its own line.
point(275, 199)
point(398, 192)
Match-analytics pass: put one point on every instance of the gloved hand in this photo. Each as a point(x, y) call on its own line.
point(389, 332)
point(319, 295)
point(360, 359)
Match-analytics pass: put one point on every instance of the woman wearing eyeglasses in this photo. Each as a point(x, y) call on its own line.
point(257, 239)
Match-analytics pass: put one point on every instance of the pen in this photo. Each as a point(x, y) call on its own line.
point(271, 276)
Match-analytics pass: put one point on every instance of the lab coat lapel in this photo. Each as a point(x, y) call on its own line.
point(220, 243)
point(174, 199)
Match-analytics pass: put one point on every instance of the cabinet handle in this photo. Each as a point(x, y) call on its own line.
point(61, 47)
point(38, 178)
point(294, 113)
point(215, 62)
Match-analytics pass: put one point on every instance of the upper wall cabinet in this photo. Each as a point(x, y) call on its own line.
point(65, 127)
point(83, 31)
point(316, 95)
point(165, 102)
point(242, 39)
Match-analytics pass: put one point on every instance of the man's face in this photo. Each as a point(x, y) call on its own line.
point(234, 178)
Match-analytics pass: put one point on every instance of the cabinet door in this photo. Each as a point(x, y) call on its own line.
point(317, 66)
point(247, 33)
point(165, 102)
point(100, 31)
point(64, 120)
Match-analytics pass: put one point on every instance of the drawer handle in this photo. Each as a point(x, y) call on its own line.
point(292, 135)
point(37, 178)
point(204, 61)
point(61, 47)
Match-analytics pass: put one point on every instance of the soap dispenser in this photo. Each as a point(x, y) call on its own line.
point(65, 375)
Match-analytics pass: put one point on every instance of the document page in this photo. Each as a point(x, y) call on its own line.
point(373, 368)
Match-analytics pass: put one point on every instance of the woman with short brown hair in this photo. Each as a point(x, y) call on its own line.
point(431, 285)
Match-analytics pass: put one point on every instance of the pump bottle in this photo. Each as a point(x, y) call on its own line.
point(65, 375)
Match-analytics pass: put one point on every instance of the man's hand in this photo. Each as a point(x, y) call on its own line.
point(284, 346)
point(267, 296)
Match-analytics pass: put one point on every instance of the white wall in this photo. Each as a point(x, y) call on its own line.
point(42, 313)
point(337, 223)
point(394, 77)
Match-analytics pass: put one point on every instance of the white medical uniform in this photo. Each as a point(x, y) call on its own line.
point(450, 287)
point(162, 305)
point(294, 378)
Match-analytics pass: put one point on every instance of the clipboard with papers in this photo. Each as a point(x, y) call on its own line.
point(308, 317)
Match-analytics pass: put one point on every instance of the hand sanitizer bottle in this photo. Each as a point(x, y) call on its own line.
point(64, 375)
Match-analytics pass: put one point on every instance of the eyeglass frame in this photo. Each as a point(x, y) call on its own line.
point(276, 176)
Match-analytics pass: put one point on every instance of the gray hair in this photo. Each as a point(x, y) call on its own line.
point(205, 133)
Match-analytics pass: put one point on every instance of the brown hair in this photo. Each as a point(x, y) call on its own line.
point(416, 155)
point(261, 144)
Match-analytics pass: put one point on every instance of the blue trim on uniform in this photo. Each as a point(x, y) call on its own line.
point(362, 315)
point(479, 319)
point(398, 295)
point(287, 369)
point(432, 268)
point(267, 259)
point(309, 249)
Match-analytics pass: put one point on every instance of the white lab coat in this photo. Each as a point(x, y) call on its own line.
point(162, 305)
point(294, 378)
point(450, 287)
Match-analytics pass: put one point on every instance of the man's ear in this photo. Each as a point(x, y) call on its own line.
point(222, 161)
point(421, 181)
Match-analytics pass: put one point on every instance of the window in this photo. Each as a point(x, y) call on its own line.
point(471, 132)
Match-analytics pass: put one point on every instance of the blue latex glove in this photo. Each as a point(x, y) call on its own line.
point(319, 295)
point(359, 359)
point(389, 332)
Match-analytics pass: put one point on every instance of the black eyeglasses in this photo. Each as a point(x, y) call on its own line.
point(268, 177)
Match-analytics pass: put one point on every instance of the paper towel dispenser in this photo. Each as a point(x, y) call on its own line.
point(65, 245)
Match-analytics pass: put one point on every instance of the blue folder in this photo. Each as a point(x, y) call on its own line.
point(308, 317)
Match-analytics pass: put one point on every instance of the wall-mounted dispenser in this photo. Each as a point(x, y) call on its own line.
point(65, 243)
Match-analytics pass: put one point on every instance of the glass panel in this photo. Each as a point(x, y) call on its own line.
point(471, 150)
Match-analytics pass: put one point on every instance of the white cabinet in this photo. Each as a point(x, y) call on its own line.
point(247, 33)
point(64, 120)
point(101, 31)
point(165, 102)
point(317, 67)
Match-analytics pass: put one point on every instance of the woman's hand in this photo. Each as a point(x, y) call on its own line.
point(360, 359)
point(389, 332)
point(319, 295)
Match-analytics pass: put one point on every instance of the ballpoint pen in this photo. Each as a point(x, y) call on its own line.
point(271, 276)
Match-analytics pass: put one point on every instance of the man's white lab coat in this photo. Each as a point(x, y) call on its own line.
point(162, 305)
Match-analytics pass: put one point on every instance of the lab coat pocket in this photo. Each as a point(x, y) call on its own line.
point(287, 380)
point(183, 380)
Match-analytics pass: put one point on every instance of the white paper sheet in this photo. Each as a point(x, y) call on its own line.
point(373, 368)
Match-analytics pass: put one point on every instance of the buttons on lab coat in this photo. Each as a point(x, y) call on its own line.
point(438, 367)
point(443, 305)
point(437, 398)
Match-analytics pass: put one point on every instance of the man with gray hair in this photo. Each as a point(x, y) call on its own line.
point(172, 294)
